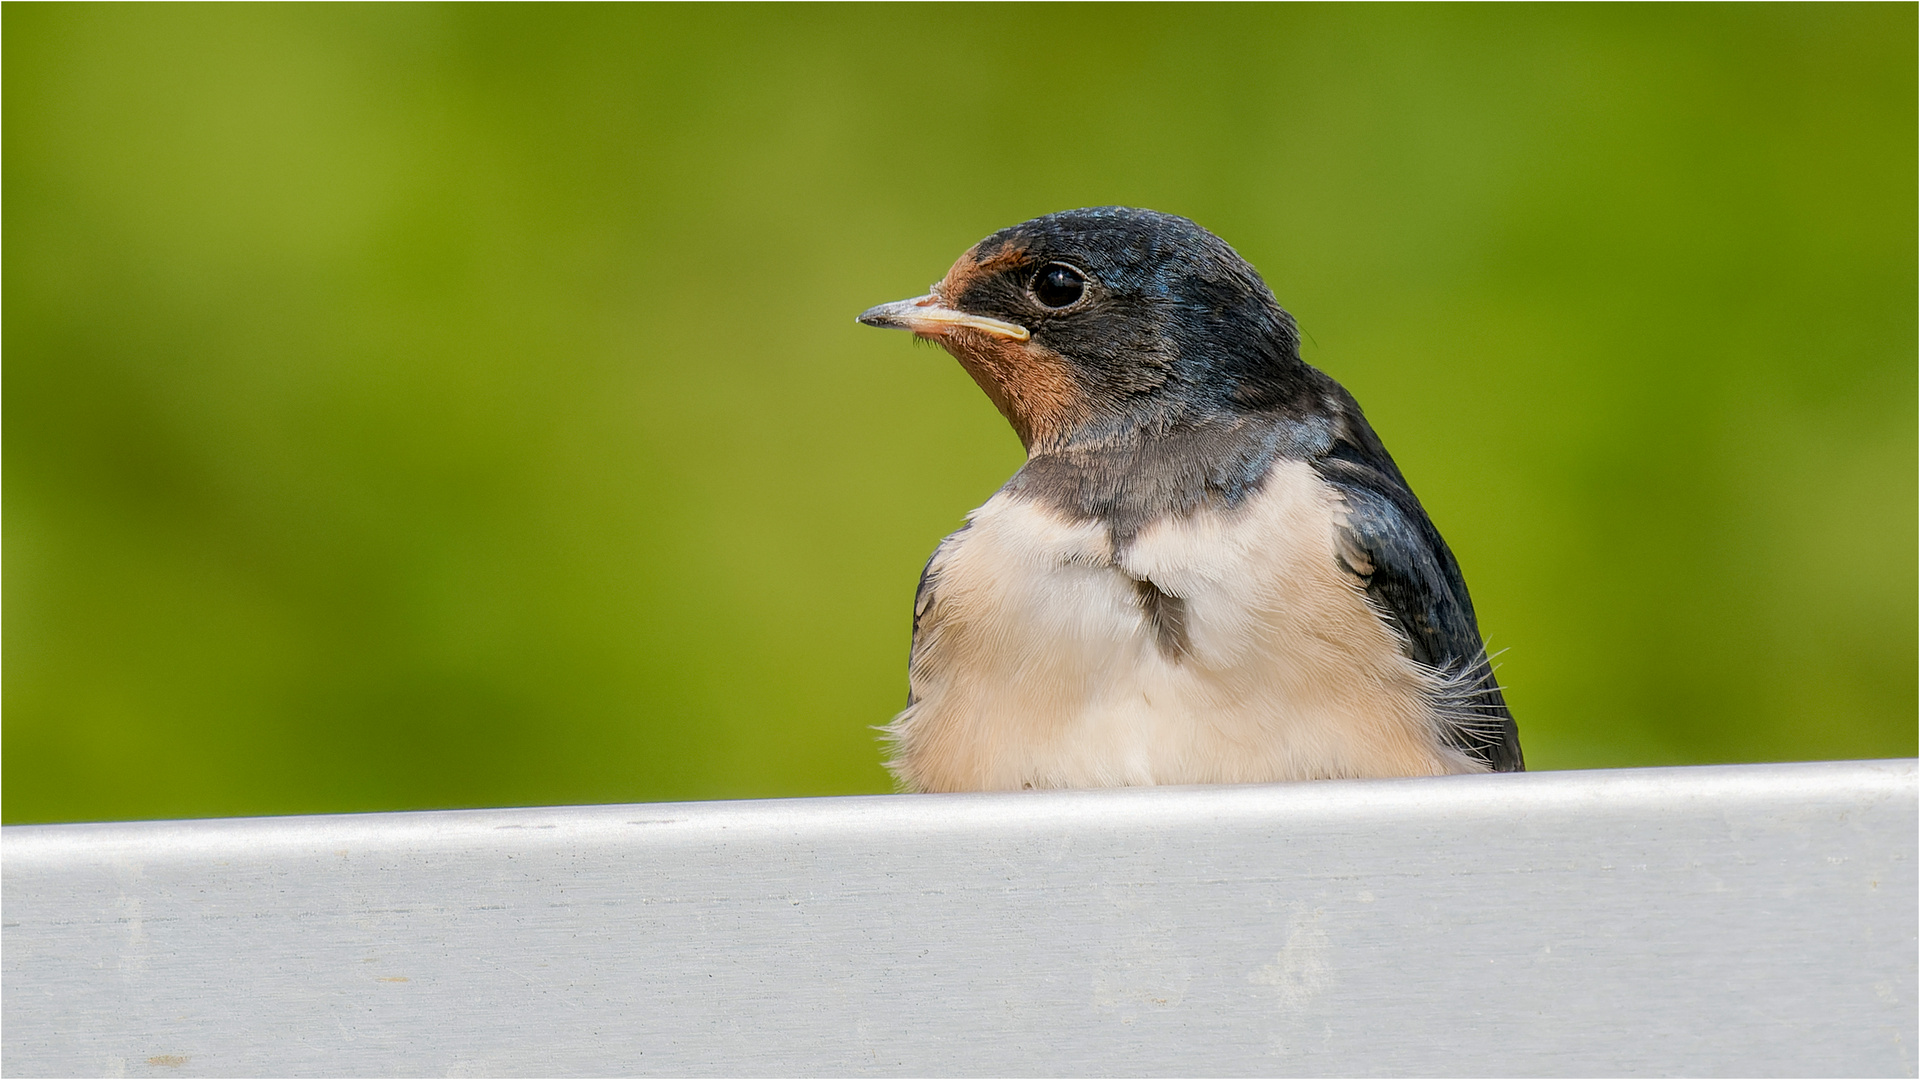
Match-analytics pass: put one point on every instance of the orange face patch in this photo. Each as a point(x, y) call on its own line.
point(966, 270)
point(1031, 385)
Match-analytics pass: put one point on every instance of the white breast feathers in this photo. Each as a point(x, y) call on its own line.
point(1224, 646)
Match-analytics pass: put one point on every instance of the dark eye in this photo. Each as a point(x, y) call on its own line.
point(1058, 285)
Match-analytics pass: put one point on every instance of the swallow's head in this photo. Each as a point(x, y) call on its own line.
point(1084, 322)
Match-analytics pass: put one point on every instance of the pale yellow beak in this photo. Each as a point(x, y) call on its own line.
point(925, 315)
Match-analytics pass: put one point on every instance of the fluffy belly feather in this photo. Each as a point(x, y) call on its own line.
point(1226, 646)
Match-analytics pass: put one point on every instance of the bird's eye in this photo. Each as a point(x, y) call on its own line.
point(1058, 285)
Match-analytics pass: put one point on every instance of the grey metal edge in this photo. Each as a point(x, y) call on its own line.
point(1724, 920)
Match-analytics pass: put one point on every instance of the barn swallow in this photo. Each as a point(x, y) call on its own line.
point(1209, 570)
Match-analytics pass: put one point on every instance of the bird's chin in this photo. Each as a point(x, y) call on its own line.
point(1031, 385)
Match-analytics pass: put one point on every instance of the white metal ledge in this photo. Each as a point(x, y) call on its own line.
point(1741, 920)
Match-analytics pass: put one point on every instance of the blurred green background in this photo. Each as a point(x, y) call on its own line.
point(447, 406)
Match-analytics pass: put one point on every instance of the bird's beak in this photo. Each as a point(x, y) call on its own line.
point(925, 315)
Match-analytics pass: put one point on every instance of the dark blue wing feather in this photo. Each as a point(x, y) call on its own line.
point(1413, 580)
point(923, 600)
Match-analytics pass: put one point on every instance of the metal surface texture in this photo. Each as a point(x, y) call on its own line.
point(1726, 920)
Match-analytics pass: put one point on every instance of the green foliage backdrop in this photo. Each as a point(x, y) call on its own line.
point(440, 406)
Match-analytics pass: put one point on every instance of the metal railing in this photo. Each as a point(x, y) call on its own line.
point(1754, 920)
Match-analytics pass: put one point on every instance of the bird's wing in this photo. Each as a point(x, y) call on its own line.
point(924, 599)
point(1413, 581)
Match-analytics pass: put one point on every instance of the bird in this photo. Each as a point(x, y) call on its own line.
point(1208, 569)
